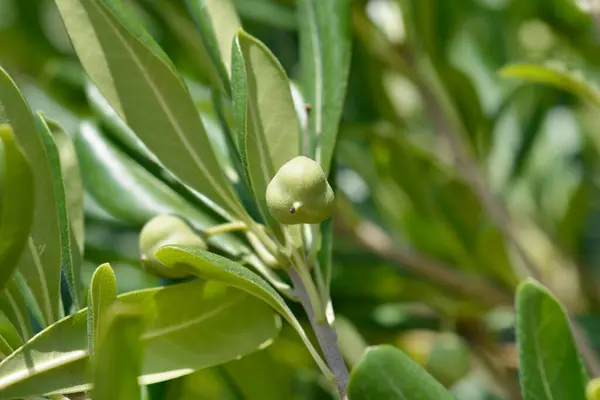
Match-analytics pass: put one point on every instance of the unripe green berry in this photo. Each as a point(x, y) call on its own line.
point(592, 391)
point(299, 193)
point(166, 230)
point(449, 360)
point(445, 356)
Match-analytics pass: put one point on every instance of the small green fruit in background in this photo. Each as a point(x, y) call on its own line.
point(445, 356)
point(165, 230)
point(299, 193)
point(592, 392)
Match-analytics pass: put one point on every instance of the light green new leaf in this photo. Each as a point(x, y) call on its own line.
point(102, 293)
point(40, 261)
point(17, 199)
point(71, 176)
point(190, 326)
point(386, 373)
point(218, 23)
point(70, 254)
point(556, 76)
point(550, 367)
point(148, 95)
point(266, 121)
point(325, 48)
point(119, 360)
point(214, 267)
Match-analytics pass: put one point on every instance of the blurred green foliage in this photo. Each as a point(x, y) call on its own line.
point(427, 238)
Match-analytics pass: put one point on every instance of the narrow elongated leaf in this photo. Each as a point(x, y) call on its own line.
point(218, 23)
point(325, 47)
point(147, 93)
point(102, 293)
point(40, 262)
point(266, 121)
point(386, 373)
point(10, 340)
point(550, 367)
point(14, 308)
point(129, 192)
point(213, 267)
point(190, 326)
point(119, 360)
point(555, 76)
point(71, 176)
point(70, 254)
point(17, 204)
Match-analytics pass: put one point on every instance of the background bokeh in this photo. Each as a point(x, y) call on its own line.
point(418, 250)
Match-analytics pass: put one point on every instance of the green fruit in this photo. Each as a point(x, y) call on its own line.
point(166, 230)
point(445, 356)
point(449, 360)
point(592, 391)
point(299, 193)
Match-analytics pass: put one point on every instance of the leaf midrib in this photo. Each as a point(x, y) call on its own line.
point(78, 354)
point(170, 117)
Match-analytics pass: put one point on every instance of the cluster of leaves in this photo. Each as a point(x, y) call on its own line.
point(452, 186)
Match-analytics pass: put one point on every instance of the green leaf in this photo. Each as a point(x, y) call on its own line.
point(13, 306)
point(384, 372)
point(325, 48)
point(218, 23)
point(40, 261)
point(214, 267)
point(550, 367)
point(16, 214)
point(102, 293)
point(10, 340)
point(267, 12)
point(137, 196)
point(266, 121)
point(149, 96)
point(71, 257)
point(73, 185)
point(556, 76)
point(119, 360)
point(190, 326)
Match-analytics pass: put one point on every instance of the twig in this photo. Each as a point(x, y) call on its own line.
point(374, 239)
point(326, 336)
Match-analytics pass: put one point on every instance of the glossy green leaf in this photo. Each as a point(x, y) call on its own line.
point(266, 121)
point(325, 48)
point(16, 214)
point(190, 326)
point(550, 367)
point(556, 76)
point(128, 71)
point(40, 261)
point(71, 256)
point(218, 23)
point(385, 372)
point(129, 192)
point(214, 267)
point(102, 293)
point(119, 360)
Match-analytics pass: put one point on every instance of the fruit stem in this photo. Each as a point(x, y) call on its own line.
point(236, 226)
point(303, 272)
